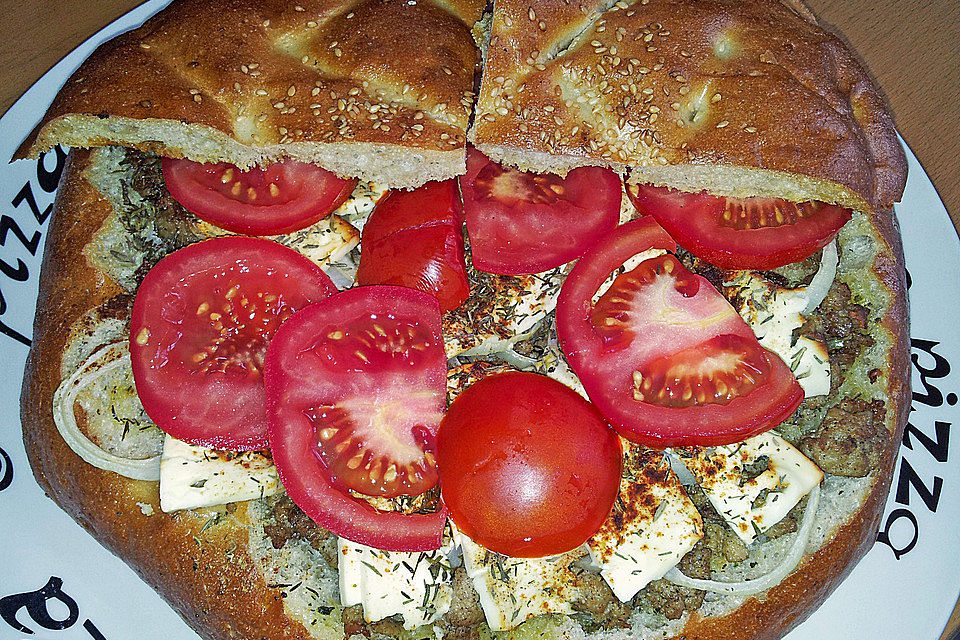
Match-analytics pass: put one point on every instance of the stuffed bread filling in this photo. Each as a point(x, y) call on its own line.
point(831, 348)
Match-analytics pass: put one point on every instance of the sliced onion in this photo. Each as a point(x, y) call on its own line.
point(823, 278)
point(516, 360)
point(772, 579)
point(63, 416)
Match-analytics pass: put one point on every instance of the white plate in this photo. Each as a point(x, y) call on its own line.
point(57, 583)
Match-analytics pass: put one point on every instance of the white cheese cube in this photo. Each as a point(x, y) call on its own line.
point(414, 584)
point(513, 590)
point(653, 525)
point(192, 476)
point(774, 313)
point(751, 505)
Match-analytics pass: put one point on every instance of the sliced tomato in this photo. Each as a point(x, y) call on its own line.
point(523, 223)
point(356, 387)
point(415, 239)
point(741, 233)
point(662, 354)
point(280, 198)
point(201, 322)
point(528, 468)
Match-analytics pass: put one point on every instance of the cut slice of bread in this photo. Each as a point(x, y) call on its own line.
point(373, 89)
point(747, 98)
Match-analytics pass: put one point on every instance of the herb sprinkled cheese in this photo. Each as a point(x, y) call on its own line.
point(501, 311)
point(774, 314)
point(415, 585)
point(652, 526)
point(513, 590)
point(755, 483)
point(192, 476)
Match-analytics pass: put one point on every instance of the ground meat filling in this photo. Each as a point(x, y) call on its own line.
point(852, 439)
point(844, 326)
point(290, 523)
point(673, 600)
point(171, 224)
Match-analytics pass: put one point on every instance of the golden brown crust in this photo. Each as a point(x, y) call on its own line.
point(688, 93)
point(376, 89)
point(194, 578)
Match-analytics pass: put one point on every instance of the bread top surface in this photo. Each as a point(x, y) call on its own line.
point(697, 94)
point(376, 89)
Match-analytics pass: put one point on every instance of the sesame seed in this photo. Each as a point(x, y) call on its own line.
point(144, 45)
point(291, 91)
point(722, 124)
point(197, 98)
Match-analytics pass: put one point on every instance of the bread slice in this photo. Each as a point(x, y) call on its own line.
point(375, 89)
point(746, 98)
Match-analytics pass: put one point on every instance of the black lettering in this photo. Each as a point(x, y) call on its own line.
point(884, 536)
point(938, 449)
point(6, 470)
point(941, 368)
point(9, 331)
point(909, 478)
point(26, 195)
point(35, 602)
point(9, 224)
point(20, 274)
point(50, 179)
point(92, 630)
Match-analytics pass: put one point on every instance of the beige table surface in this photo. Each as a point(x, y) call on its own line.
point(912, 47)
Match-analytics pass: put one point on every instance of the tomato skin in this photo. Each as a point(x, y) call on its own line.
point(528, 468)
point(305, 368)
point(606, 366)
point(305, 193)
point(696, 221)
point(523, 223)
point(415, 239)
point(217, 401)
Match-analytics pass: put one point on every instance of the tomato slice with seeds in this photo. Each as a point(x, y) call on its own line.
point(662, 354)
point(524, 223)
point(201, 322)
point(356, 388)
point(280, 198)
point(528, 468)
point(415, 239)
point(741, 233)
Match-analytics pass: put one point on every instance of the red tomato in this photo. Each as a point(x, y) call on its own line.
point(528, 468)
point(741, 233)
point(201, 322)
point(356, 387)
point(662, 354)
point(523, 223)
point(415, 239)
point(281, 198)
